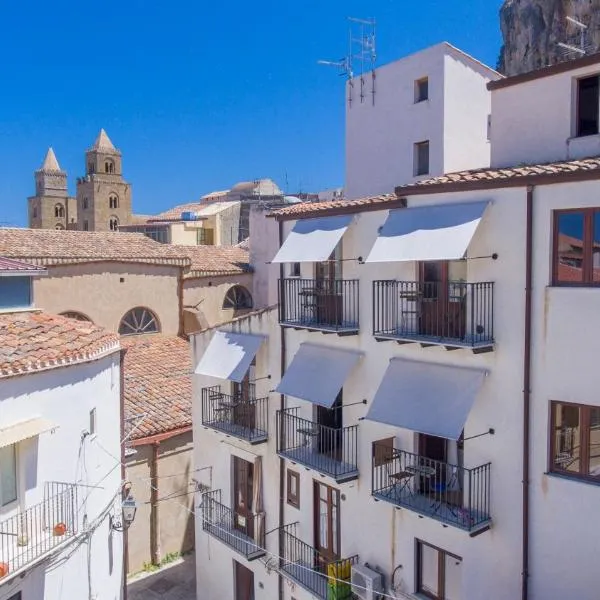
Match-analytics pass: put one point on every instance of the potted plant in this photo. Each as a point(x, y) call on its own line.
point(3, 569)
point(59, 529)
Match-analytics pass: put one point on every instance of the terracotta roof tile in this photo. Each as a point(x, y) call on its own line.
point(51, 247)
point(315, 209)
point(158, 384)
point(210, 260)
point(175, 212)
point(9, 265)
point(36, 341)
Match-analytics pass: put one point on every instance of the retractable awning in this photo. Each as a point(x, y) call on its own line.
point(313, 240)
point(24, 430)
point(318, 373)
point(428, 398)
point(441, 232)
point(229, 355)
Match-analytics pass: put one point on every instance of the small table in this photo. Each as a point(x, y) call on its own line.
point(421, 470)
point(403, 478)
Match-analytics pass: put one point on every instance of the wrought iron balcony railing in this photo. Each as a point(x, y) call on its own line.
point(329, 305)
point(243, 417)
point(304, 564)
point(245, 533)
point(32, 534)
point(449, 493)
point(329, 450)
point(455, 314)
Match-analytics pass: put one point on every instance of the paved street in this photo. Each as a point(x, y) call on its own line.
point(176, 581)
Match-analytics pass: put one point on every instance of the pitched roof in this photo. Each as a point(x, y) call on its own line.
point(174, 214)
point(213, 260)
point(50, 162)
point(52, 247)
point(157, 384)
point(103, 142)
point(36, 341)
point(316, 209)
point(8, 266)
point(205, 208)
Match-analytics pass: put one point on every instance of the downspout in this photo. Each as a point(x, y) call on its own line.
point(123, 470)
point(181, 332)
point(154, 522)
point(281, 435)
point(527, 388)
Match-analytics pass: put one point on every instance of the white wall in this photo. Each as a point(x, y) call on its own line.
point(65, 396)
point(264, 243)
point(533, 122)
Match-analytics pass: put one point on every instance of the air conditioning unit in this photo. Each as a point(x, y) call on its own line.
point(366, 583)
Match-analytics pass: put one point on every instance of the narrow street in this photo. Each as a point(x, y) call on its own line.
point(176, 581)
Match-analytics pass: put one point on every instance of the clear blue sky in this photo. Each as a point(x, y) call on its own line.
point(198, 95)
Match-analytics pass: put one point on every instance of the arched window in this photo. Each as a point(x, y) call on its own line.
point(109, 167)
point(113, 224)
point(59, 211)
point(72, 314)
point(91, 168)
point(34, 214)
point(139, 320)
point(237, 297)
point(85, 203)
point(113, 201)
point(59, 226)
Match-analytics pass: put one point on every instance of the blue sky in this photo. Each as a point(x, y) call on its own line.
point(198, 95)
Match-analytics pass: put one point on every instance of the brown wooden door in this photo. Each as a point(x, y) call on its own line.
point(331, 435)
point(243, 478)
point(244, 582)
point(326, 524)
point(329, 297)
point(244, 411)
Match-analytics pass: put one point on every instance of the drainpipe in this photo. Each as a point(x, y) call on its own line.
point(123, 472)
point(281, 437)
point(181, 332)
point(527, 388)
point(154, 523)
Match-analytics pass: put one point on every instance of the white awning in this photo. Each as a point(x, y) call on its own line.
point(229, 355)
point(441, 232)
point(424, 397)
point(24, 430)
point(318, 373)
point(313, 240)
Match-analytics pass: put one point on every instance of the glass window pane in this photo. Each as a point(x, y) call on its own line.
point(569, 251)
point(567, 438)
point(323, 524)
point(594, 466)
point(8, 475)
point(453, 582)
point(429, 570)
point(596, 248)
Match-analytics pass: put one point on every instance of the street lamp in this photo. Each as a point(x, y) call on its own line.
point(128, 510)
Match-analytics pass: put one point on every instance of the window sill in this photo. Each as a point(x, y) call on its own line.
point(573, 478)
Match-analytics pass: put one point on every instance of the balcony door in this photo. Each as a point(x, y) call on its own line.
point(243, 480)
point(443, 298)
point(326, 524)
point(329, 441)
point(329, 299)
point(244, 582)
point(244, 411)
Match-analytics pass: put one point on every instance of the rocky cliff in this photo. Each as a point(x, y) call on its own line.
point(532, 30)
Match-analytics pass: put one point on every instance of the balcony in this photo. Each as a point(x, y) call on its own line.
point(448, 493)
point(244, 533)
point(328, 450)
point(32, 534)
point(454, 314)
point(326, 305)
point(304, 565)
point(244, 418)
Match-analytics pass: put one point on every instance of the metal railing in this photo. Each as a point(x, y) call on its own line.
point(310, 569)
point(246, 418)
point(31, 534)
point(329, 450)
point(329, 304)
point(446, 492)
point(244, 533)
point(455, 313)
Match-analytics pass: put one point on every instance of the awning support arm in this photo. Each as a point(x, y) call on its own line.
point(490, 431)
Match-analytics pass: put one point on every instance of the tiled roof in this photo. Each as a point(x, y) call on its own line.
point(210, 260)
point(51, 247)
point(11, 266)
point(139, 219)
point(158, 384)
point(174, 214)
point(36, 341)
point(316, 209)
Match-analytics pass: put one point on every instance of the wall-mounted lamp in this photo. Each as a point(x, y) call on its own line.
point(123, 521)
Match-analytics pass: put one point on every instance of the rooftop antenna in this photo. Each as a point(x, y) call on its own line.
point(361, 52)
point(577, 41)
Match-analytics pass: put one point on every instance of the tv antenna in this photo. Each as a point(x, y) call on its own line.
point(361, 56)
point(577, 32)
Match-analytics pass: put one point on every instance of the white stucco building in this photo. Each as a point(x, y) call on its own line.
point(428, 115)
point(60, 470)
point(420, 410)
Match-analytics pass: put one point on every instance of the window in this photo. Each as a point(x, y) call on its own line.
point(588, 105)
point(238, 298)
point(295, 269)
point(327, 521)
point(383, 451)
point(421, 90)
point(15, 292)
point(85, 203)
point(59, 226)
point(71, 314)
point(113, 201)
point(34, 214)
point(91, 168)
point(113, 224)
point(293, 488)
point(205, 237)
point(575, 440)
point(8, 475)
point(59, 211)
point(109, 167)
point(576, 254)
point(421, 158)
point(137, 321)
point(438, 572)
point(16, 596)
point(93, 421)
point(86, 226)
